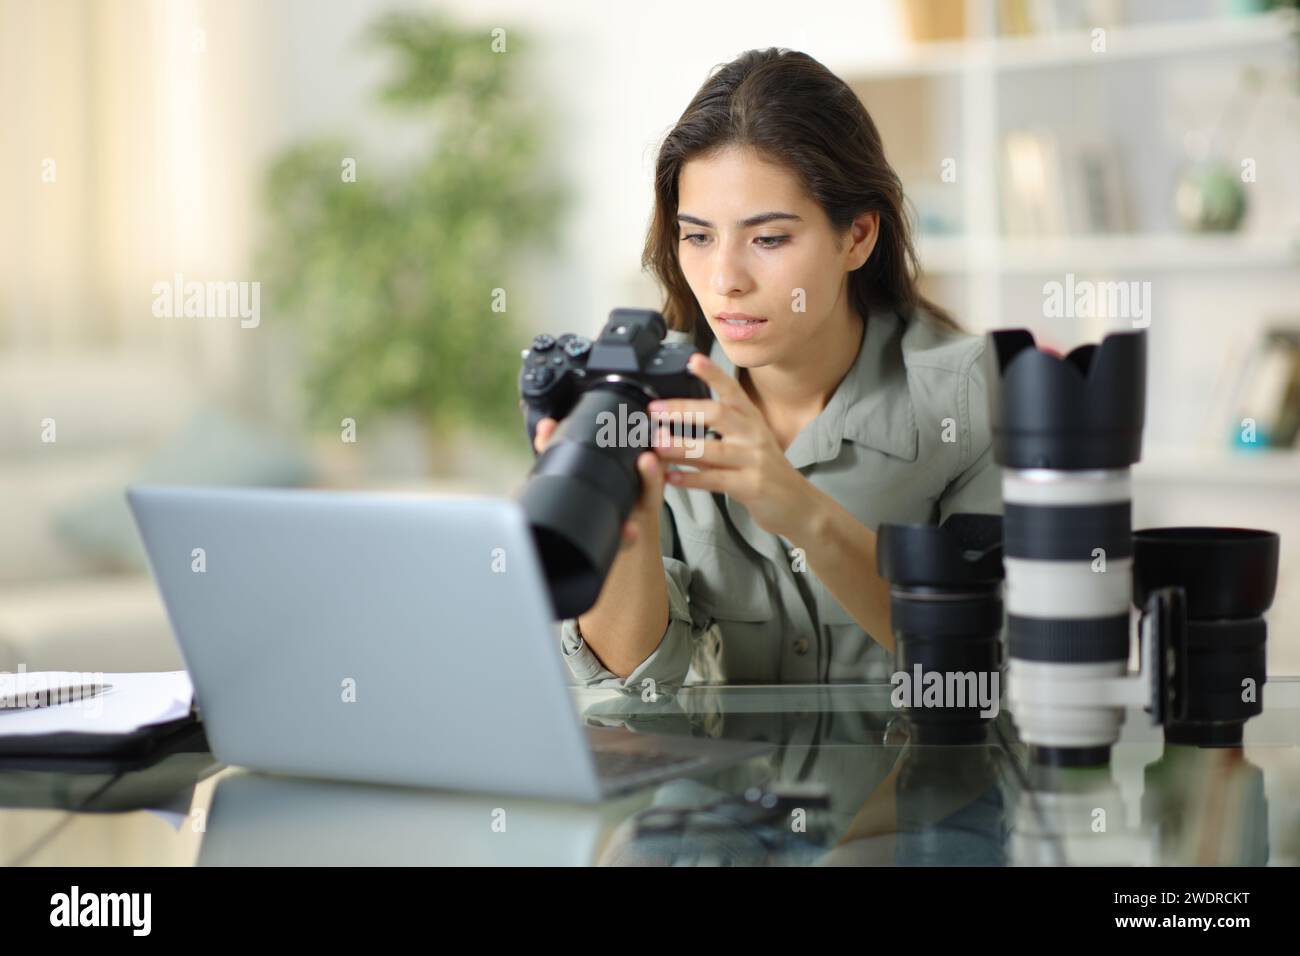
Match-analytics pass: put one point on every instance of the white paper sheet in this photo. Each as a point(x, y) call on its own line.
point(134, 701)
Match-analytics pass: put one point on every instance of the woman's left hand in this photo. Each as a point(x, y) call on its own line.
point(747, 463)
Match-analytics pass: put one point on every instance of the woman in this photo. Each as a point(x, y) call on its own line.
point(842, 397)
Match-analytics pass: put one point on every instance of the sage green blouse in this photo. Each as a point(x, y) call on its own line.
point(904, 438)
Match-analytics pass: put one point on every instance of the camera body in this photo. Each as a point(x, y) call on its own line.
point(629, 353)
point(584, 485)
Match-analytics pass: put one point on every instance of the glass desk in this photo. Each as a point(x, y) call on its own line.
point(845, 784)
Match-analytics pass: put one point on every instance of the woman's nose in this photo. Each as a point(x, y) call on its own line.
point(729, 277)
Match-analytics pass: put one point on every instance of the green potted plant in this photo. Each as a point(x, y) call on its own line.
point(405, 282)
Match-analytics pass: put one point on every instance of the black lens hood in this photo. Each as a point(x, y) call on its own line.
point(1227, 573)
point(1082, 411)
point(963, 553)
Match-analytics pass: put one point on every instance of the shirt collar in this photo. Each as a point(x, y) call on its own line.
point(872, 406)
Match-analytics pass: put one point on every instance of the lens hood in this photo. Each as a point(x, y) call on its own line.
point(1226, 573)
point(1081, 411)
point(963, 553)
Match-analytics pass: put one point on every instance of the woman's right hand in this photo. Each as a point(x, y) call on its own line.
point(643, 522)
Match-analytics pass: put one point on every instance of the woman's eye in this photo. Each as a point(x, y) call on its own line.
point(764, 242)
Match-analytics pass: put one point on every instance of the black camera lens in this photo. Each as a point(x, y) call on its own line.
point(1227, 578)
point(946, 615)
point(1224, 664)
point(580, 493)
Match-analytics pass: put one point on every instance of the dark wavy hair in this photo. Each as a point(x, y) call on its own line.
point(798, 114)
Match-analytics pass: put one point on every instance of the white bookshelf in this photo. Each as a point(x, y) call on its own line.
point(972, 69)
point(959, 97)
point(984, 52)
point(1143, 41)
point(943, 255)
point(1245, 470)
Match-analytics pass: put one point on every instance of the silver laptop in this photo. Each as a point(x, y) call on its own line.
point(385, 638)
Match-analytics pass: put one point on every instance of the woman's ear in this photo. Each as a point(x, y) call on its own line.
point(863, 232)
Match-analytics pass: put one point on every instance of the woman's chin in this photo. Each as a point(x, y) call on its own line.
point(746, 354)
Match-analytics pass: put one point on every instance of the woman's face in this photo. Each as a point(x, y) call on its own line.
point(752, 243)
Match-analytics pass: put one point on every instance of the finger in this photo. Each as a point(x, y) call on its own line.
point(715, 479)
point(716, 377)
point(685, 409)
point(542, 436)
point(652, 479)
point(697, 451)
point(695, 415)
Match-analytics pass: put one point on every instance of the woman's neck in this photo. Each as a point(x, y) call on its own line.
point(799, 388)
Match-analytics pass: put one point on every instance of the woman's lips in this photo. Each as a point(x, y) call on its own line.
point(738, 326)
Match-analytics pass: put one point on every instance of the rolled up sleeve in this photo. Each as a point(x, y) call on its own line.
point(668, 664)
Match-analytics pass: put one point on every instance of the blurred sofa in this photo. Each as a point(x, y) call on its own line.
point(75, 591)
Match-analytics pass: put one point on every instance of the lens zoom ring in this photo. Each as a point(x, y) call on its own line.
point(1067, 533)
point(1069, 641)
point(969, 618)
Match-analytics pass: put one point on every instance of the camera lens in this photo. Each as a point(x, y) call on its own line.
point(946, 615)
point(1065, 431)
point(1228, 578)
point(580, 493)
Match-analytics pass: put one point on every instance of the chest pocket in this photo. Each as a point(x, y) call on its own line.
point(725, 585)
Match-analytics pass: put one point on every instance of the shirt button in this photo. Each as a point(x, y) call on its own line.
point(801, 646)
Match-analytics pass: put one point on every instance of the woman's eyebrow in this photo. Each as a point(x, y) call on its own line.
point(752, 221)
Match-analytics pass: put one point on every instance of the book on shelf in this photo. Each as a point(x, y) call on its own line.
point(1266, 394)
point(1056, 186)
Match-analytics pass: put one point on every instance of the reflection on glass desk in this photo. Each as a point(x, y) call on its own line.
point(847, 784)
